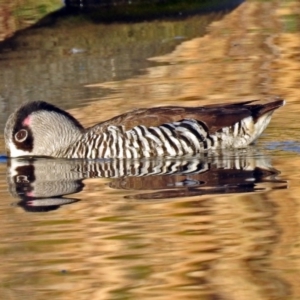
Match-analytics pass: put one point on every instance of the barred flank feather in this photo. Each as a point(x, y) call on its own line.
point(170, 139)
point(185, 137)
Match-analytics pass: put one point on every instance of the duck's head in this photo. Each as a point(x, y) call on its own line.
point(40, 129)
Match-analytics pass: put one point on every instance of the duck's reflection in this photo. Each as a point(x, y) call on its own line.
point(41, 184)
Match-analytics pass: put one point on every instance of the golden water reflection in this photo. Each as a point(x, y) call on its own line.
point(108, 246)
point(252, 240)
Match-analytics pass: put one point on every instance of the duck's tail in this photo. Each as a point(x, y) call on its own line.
point(261, 108)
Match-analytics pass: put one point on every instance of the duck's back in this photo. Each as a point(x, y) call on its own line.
point(175, 131)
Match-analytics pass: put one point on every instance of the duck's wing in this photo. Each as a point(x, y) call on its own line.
point(214, 116)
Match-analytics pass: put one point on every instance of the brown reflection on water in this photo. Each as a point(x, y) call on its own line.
point(236, 60)
point(252, 240)
point(108, 247)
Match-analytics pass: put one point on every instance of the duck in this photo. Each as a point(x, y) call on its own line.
point(41, 129)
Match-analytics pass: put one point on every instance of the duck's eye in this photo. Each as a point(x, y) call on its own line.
point(21, 135)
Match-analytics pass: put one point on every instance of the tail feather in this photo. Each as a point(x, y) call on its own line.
point(260, 109)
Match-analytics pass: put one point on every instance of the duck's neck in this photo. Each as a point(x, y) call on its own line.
point(59, 135)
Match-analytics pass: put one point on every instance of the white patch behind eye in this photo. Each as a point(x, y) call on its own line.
point(15, 152)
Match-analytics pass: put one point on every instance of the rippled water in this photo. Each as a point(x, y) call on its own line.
point(217, 226)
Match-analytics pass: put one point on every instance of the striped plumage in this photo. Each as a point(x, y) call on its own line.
point(41, 129)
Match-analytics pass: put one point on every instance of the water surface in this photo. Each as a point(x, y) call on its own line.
point(212, 227)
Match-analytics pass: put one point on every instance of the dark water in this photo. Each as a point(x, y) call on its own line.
point(217, 226)
point(55, 59)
